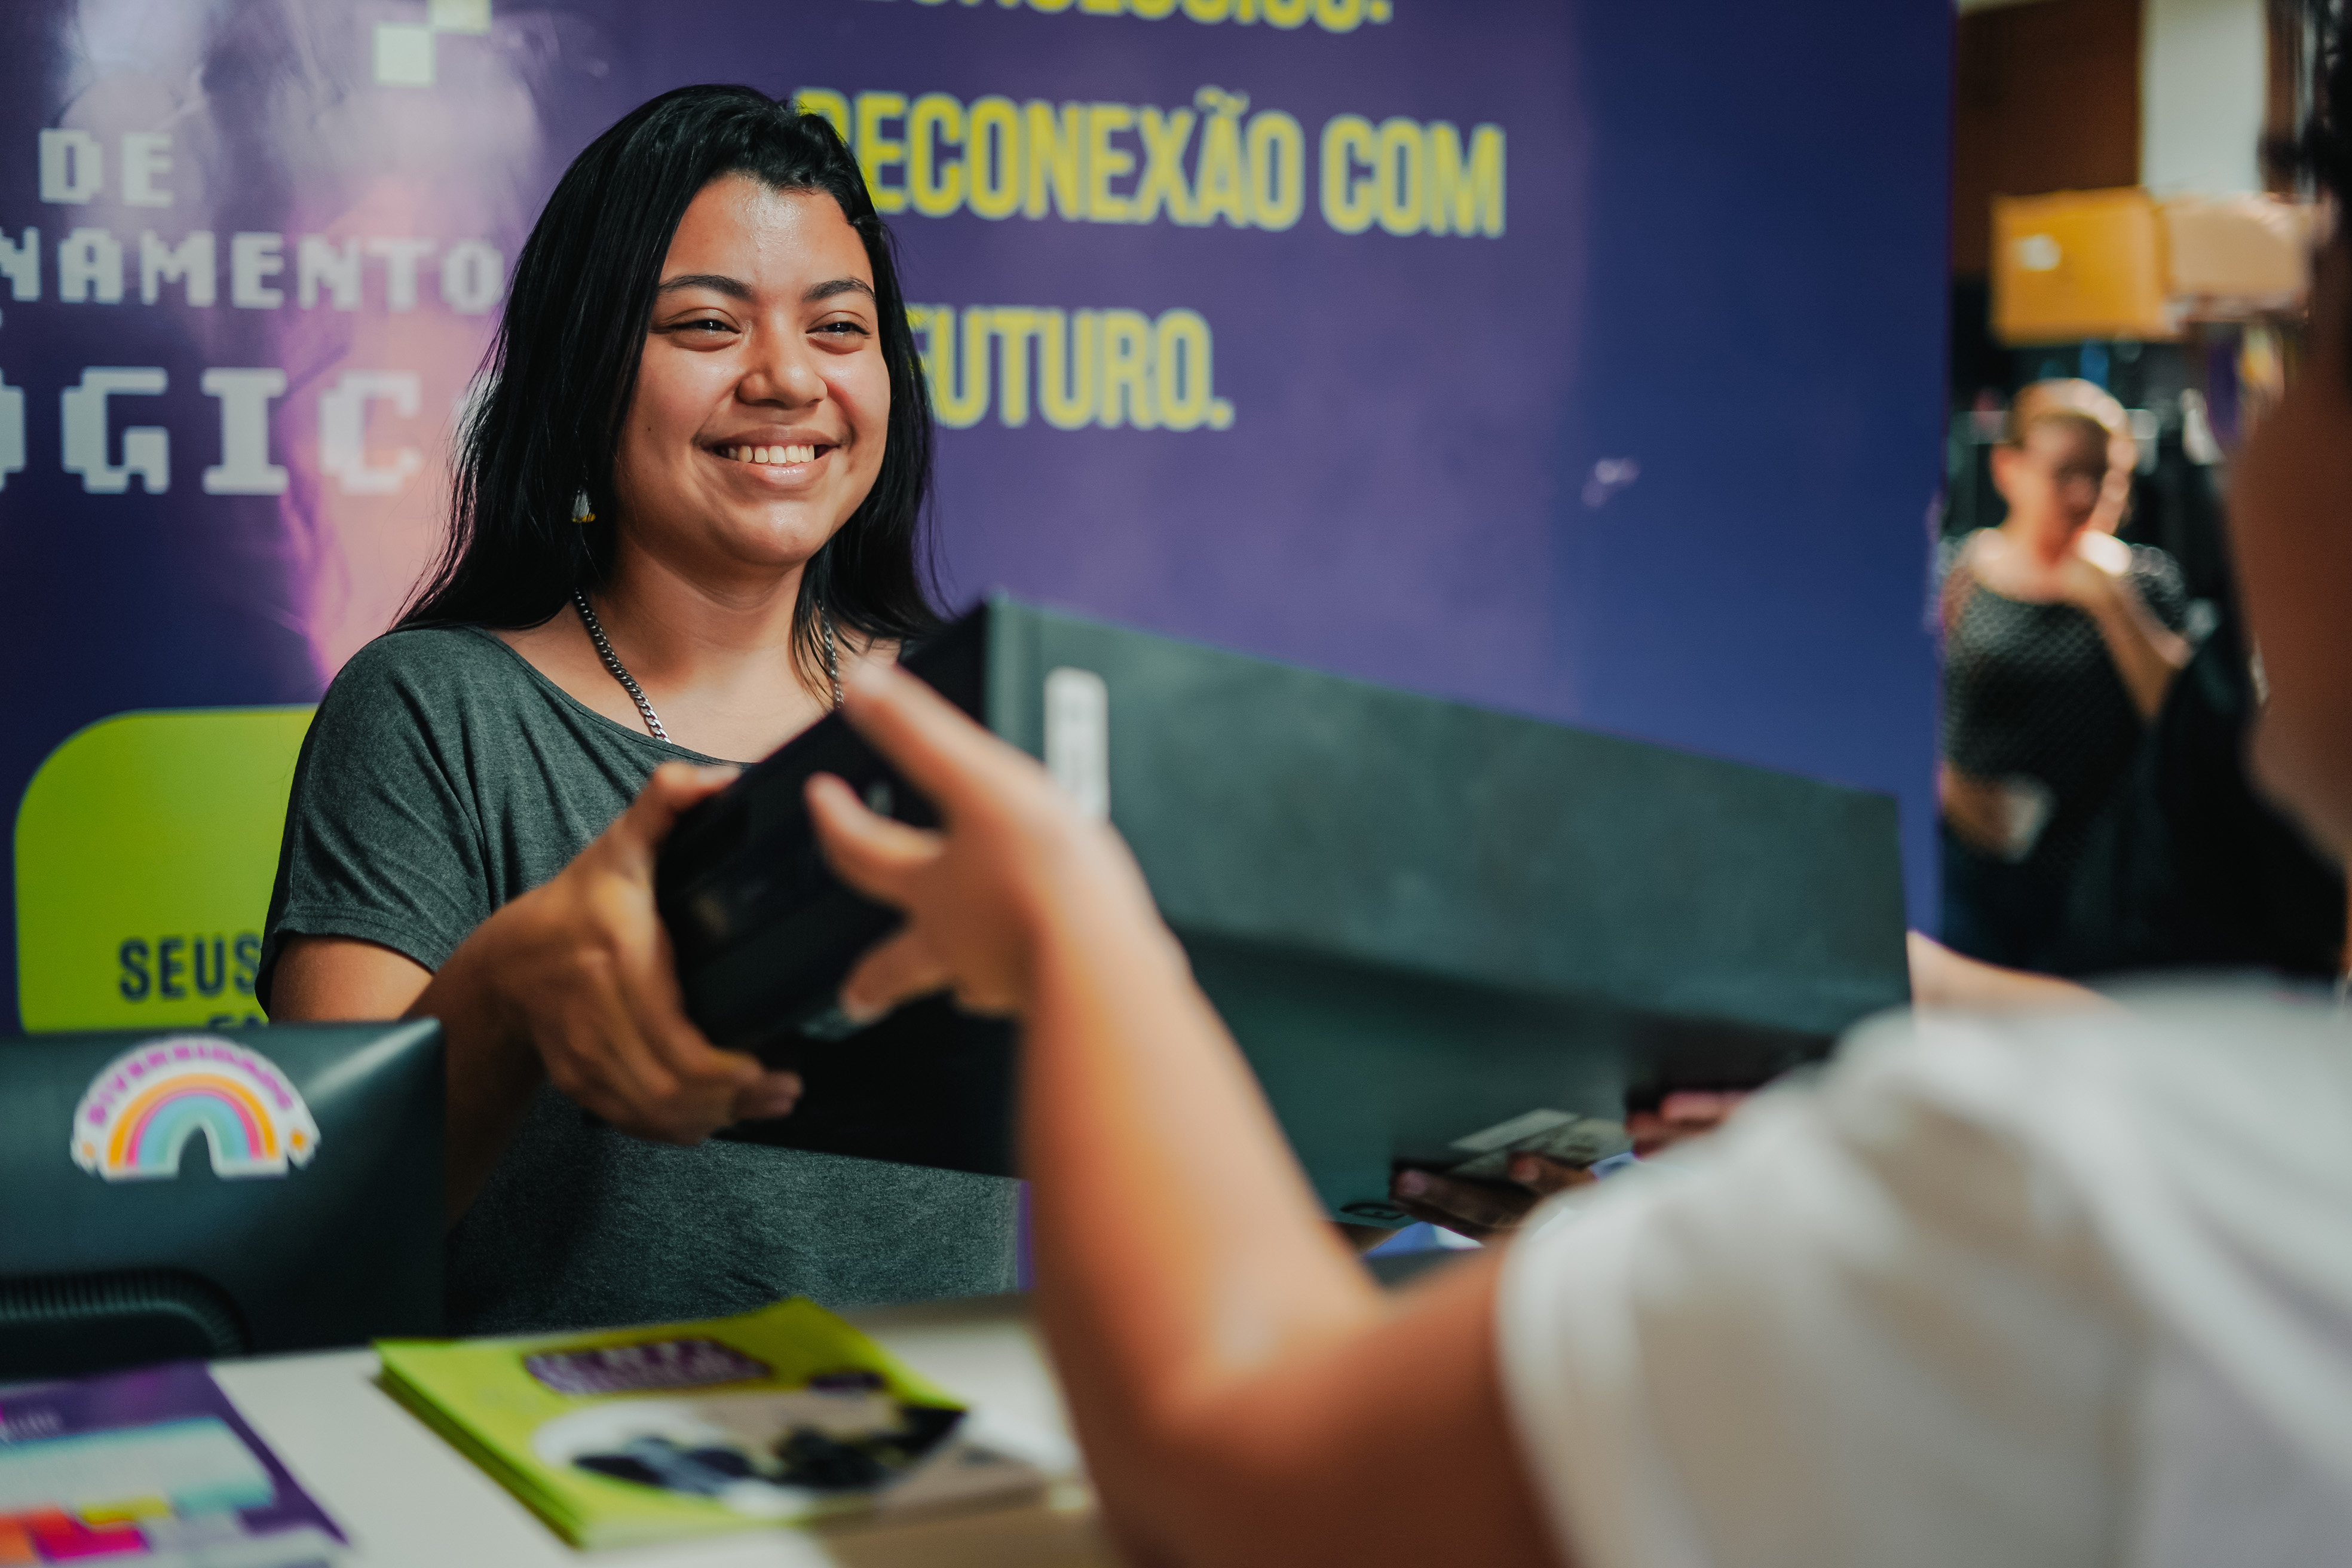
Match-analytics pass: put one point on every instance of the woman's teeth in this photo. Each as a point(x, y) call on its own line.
point(787, 455)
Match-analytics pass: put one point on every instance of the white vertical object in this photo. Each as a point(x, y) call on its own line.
point(1077, 737)
point(2202, 82)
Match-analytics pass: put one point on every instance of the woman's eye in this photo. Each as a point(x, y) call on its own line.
point(843, 328)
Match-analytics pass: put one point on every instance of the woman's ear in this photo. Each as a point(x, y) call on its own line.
point(2004, 470)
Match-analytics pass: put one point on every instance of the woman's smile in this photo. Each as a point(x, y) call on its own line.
point(775, 461)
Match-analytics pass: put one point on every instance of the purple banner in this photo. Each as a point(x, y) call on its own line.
point(1579, 359)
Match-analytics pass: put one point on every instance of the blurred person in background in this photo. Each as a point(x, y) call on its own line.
point(2061, 643)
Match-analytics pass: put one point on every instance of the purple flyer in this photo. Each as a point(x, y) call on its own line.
point(153, 1467)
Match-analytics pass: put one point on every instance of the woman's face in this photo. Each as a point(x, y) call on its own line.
point(762, 399)
point(2052, 478)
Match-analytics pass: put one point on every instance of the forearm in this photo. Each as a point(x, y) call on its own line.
point(2147, 655)
point(1180, 1252)
point(491, 1069)
point(491, 1066)
point(1245, 1394)
point(1942, 978)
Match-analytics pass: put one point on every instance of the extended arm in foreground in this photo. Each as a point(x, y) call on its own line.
point(1246, 1395)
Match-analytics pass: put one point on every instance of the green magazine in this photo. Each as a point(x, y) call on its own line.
point(670, 1430)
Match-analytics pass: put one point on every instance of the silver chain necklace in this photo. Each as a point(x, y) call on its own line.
point(637, 693)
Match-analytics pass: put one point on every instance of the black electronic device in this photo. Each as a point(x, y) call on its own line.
point(764, 935)
point(763, 931)
point(184, 1194)
point(1421, 919)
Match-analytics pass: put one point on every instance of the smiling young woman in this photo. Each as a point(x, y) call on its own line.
point(690, 498)
point(758, 426)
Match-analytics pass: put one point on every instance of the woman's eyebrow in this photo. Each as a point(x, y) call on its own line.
point(837, 286)
point(733, 288)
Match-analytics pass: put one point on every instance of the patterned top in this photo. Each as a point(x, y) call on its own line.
point(2031, 691)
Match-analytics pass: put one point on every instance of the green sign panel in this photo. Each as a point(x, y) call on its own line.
point(145, 847)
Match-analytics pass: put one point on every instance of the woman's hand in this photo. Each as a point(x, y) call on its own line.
point(1013, 859)
point(579, 969)
point(1682, 1115)
point(2091, 585)
point(571, 983)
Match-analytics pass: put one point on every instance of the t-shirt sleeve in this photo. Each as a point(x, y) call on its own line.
point(1857, 1328)
point(382, 838)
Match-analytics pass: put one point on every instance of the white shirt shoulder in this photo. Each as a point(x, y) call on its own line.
point(2066, 1290)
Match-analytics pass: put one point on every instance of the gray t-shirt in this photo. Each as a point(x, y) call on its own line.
point(443, 776)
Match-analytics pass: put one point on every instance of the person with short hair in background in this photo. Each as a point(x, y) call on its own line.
point(2060, 642)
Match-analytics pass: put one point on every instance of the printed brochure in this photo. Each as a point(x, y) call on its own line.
point(152, 1468)
point(636, 1435)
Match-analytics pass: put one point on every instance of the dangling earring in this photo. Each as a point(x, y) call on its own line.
point(580, 510)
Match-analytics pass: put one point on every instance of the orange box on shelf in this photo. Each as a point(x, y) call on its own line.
point(2079, 264)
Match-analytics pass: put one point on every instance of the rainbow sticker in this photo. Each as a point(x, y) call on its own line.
point(144, 1106)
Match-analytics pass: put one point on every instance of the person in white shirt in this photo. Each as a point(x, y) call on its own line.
point(2065, 1289)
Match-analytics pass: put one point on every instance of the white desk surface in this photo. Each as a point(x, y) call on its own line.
point(406, 1499)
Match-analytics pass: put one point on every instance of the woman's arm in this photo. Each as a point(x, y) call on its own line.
point(1244, 1392)
point(335, 979)
point(572, 982)
point(1941, 978)
point(2147, 653)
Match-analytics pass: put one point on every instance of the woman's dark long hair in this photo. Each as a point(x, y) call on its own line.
point(561, 372)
